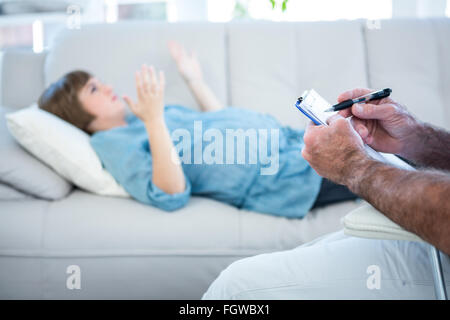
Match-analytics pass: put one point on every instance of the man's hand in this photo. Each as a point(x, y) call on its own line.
point(416, 200)
point(385, 125)
point(150, 93)
point(187, 64)
point(334, 151)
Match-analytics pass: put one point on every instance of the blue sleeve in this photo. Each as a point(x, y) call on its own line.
point(131, 165)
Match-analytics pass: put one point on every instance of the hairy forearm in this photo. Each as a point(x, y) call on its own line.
point(429, 148)
point(416, 200)
point(204, 96)
point(167, 172)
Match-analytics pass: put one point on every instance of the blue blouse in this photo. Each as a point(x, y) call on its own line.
point(280, 183)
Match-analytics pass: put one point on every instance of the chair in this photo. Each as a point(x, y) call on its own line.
point(367, 222)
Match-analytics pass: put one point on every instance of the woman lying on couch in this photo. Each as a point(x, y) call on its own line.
point(138, 149)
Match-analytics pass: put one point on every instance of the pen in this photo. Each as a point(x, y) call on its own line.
point(368, 97)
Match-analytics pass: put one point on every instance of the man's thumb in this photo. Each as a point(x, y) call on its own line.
point(372, 111)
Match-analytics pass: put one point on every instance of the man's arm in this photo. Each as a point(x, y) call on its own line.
point(430, 148)
point(419, 201)
point(387, 126)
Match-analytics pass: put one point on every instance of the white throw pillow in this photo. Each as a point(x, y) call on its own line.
point(63, 147)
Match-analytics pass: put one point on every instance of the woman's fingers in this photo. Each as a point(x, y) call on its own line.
point(162, 80)
point(172, 45)
point(145, 78)
point(153, 81)
point(129, 102)
point(174, 48)
point(139, 89)
point(147, 81)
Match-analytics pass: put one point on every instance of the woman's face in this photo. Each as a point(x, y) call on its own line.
point(100, 100)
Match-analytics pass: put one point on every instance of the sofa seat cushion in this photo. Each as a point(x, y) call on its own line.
point(125, 249)
point(90, 225)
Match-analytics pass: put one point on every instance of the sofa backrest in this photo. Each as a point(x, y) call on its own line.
point(21, 77)
point(114, 52)
point(258, 65)
point(271, 64)
point(413, 58)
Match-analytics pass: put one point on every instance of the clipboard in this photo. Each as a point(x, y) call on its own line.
point(313, 106)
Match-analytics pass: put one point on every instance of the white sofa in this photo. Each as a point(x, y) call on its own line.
point(128, 250)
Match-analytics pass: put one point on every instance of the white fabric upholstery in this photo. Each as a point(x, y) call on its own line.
point(441, 32)
point(9, 193)
point(24, 172)
point(21, 80)
point(367, 222)
point(409, 56)
point(205, 227)
point(129, 250)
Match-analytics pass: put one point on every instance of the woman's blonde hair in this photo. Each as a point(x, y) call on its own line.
point(61, 99)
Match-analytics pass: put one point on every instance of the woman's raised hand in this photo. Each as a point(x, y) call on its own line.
point(150, 94)
point(187, 63)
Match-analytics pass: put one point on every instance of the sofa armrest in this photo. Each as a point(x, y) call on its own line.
point(21, 77)
point(367, 222)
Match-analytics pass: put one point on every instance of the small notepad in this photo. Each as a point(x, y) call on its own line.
point(312, 105)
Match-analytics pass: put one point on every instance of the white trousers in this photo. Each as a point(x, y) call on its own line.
point(335, 266)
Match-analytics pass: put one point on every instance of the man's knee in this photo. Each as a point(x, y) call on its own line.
point(229, 282)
